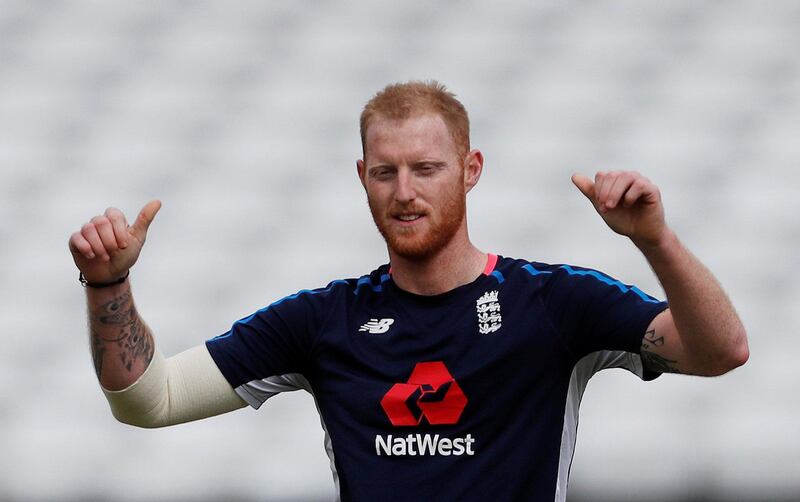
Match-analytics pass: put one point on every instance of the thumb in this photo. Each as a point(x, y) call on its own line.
point(145, 218)
point(585, 185)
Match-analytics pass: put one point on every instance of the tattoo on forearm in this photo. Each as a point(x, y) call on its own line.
point(652, 361)
point(120, 325)
point(119, 311)
point(98, 350)
point(138, 343)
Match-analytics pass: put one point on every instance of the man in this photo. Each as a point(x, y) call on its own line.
point(450, 372)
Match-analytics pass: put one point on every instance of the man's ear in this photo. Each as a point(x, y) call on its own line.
point(473, 167)
point(362, 172)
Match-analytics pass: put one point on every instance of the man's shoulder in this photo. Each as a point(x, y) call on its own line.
point(568, 278)
point(535, 276)
point(511, 266)
point(541, 269)
point(373, 281)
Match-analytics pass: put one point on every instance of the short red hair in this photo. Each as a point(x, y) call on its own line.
point(403, 100)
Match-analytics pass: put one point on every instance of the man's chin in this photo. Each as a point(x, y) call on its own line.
point(411, 253)
point(413, 248)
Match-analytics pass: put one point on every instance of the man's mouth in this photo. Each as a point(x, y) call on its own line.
point(409, 217)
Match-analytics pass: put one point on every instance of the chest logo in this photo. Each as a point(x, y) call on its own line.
point(376, 327)
point(488, 308)
point(431, 392)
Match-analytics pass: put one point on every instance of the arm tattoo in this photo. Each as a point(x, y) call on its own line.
point(651, 338)
point(119, 311)
point(652, 361)
point(120, 325)
point(98, 350)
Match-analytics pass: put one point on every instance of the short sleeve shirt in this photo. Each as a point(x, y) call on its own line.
point(467, 395)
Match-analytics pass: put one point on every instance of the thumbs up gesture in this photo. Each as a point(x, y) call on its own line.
point(107, 247)
point(629, 203)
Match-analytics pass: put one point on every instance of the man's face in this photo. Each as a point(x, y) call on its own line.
point(415, 184)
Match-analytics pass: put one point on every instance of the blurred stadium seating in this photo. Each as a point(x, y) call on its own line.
point(242, 118)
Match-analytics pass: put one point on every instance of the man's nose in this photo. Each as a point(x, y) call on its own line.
point(405, 191)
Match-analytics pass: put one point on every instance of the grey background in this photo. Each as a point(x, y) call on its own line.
point(242, 118)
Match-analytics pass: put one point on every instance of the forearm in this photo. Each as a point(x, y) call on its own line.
point(121, 343)
point(142, 387)
point(709, 329)
point(182, 388)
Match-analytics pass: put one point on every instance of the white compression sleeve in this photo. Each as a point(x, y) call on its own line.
point(182, 388)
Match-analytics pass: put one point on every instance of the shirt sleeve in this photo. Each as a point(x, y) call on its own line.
point(594, 312)
point(268, 351)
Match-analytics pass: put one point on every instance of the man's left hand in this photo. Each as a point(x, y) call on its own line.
point(629, 203)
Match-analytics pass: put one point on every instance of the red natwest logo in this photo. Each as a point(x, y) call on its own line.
point(431, 392)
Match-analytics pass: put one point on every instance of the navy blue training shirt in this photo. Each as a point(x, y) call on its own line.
point(472, 394)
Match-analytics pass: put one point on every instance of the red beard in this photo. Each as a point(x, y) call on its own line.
point(421, 242)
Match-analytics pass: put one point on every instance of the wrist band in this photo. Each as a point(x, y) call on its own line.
point(101, 285)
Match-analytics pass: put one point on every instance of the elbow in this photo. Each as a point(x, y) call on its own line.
point(740, 354)
point(743, 354)
point(141, 424)
point(141, 415)
point(736, 354)
point(140, 421)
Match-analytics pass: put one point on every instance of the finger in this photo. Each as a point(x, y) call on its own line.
point(640, 188)
point(106, 233)
point(78, 244)
point(145, 218)
point(604, 182)
point(119, 224)
point(89, 233)
point(621, 185)
point(585, 185)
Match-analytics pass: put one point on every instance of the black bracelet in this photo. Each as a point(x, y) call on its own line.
point(101, 285)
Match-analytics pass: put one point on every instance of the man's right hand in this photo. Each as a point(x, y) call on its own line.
point(107, 247)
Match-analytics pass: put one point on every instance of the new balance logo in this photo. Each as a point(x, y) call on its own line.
point(376, 327)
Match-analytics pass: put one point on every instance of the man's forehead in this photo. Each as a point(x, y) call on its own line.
point(422, 131)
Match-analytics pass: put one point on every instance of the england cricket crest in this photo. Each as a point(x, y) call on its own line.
point(489, 318)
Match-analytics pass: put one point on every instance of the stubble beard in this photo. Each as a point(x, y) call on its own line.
point(419, 244)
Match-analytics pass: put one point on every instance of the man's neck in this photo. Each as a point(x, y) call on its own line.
point(453, 266)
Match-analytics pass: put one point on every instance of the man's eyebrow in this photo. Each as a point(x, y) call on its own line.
point(380, 166)
point(434, 163)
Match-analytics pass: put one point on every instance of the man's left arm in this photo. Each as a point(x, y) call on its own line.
point(700, 333)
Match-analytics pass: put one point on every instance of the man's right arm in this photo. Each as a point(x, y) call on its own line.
point(142, 387)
